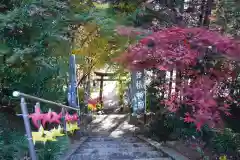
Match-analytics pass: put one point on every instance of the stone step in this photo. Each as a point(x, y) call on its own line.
point(117, 140)
point(112, 150)
point(116, 155)
point(76, 157)
point(132, 154)
point(162, 158)
point(112, 145)
point(110, 137)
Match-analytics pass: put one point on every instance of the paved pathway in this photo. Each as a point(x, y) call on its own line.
point(112, 138)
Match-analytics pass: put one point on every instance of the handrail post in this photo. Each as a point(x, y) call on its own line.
point(28, 129)
point(38, 106)
point(79, 117)
point(64, 121)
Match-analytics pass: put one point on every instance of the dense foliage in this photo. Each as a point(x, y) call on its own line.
point(34, 47)
point(205, 64)
point(226, 15)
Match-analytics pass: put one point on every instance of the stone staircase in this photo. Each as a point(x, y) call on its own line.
point(112, 137)
point(111, 148)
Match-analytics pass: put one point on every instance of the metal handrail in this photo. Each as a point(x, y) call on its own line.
point(19, 94)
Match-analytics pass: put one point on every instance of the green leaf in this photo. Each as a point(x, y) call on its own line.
point(4, 49)
point(13, 59)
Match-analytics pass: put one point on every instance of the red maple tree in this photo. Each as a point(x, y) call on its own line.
point(206, 59)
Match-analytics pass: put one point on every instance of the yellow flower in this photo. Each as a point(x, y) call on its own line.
point(75, 126)
point(41, 129)
point(38, 137)
point(49, 136)
point(60, 128)
point(223, 157)
point(56, 132)
point(69, 127)
point(43, 136)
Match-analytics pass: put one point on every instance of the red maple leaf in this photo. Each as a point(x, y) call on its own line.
point(188, 118)
point(187, 44)
point(188, 58)
point(199, 125)
point(162, 68)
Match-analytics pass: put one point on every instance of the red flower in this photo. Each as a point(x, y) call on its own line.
point(188, 118)
point(199, 125)
point(144, 41)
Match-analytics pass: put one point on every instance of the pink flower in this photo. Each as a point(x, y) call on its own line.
point(47, 118)
point(55, 118)
point(36, 117)
point(68, 117)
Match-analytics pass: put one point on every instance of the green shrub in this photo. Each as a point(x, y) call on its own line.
point(125, 7)
point(166, 127)
point(13, 143)
point(227, 142)
point(53, 150)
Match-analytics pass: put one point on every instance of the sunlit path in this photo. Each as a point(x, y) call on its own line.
point(111, 137)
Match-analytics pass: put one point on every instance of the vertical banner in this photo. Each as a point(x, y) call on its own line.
point(138, 92)
point(72, 94)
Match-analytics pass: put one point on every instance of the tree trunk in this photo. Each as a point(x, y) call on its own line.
point(170, 84)
point(162, 76)
point(178, 83)
point(182, 6)
point(208, 11)
point(200, 22)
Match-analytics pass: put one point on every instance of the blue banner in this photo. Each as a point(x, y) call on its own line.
point(72, 92)
point(138, 92)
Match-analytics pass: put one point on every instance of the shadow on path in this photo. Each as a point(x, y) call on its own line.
point(109, 125)
point(118, 123)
